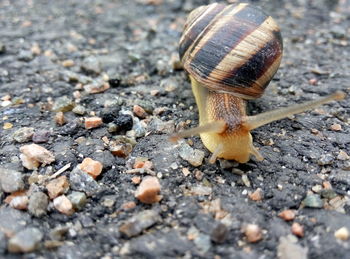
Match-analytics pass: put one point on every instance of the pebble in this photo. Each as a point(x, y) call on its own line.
point(139, 111)
point(93, 122)
point(326, 159)
point(18, 200)
point(63, 205)
point(71, 128)
point(34, 154)
point(297, 229)
point(313, 201)
point(38, 203)
point(148, 190)
point(201, 190)
point(7, 125)
point(11, 180)
point(68, 63)
point(253, 233)
point(193, 156)
point(79, 109)
point(287, 215)
point(342, 234)
point(202, 242)
point(159, 126)
point(23, 134)
point(41, 136)
point(109, 114)
point(63, 104)
point(257, 195)
point(60, 119)
point(91, 65)
point(92, 167)
point(57, 186)
point(288, 249)
point(219, 233)
point(78, 200)
point(336, 127)
point(2, 48)
point(328, 194)
point(96, 87)
point(81, 181)
point(123, 122)
point(25, 241)
point(343, 156)
point(25, 55)
point(139, 222)
point(12, 220)
point(120, 150)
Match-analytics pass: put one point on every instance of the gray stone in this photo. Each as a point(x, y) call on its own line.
point(11, 180)
point(139, 222)
point(38, 203)
point(219, 233)
point(25, 241)
point(81, 181)
point(202, 242)
point(79, 109)
point(289, 249)
point(23, 134)
point(78, 200)
point(326, 159)
point(193, 156)
point(91, 65)
point(63, 104)
point(25, 55)
point(313, 201)
point(41, 136)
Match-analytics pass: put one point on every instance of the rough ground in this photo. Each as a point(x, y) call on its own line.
point(51, 49)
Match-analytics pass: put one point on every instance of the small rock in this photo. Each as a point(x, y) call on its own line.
point(128, 205)
point(91, 65)
point(38, 203)
point(68, 63)
point(343, 156)
point(71, 128)
point(23, 134)
point(35, 154)
point(57, 186)
point(336, 127)
point(18, 200)
point(328, 194)
point(201, 190)
point(60, 119)
point(93, 122)
point(63, 104)
point(193, 156)
point(313, 201)
point(81, 181)
point(2, 48)
point(124, 122)
point(288, 249)
point(25, 55)
point(25, 241)
point(96, 87)
point(79, 109)
point(63, 205)
point(202, 242)
point(136, 180)
point(139, 222)
point(297, 229)
point(148, 190)
point(326, 159)
point(219, 233)
point(139, 112)
point(10, 180)
point(7, 125)
point(253, 233)
point(287, 215)
point(42, 136)
point(12, 220)
point(257, 195)
point(342, 234)
point(78, 200)
point(120, 150)
point(92, 167)
point(109, 114)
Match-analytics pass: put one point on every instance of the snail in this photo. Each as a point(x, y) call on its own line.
point(231, 53)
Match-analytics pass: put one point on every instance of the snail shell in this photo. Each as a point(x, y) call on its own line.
point(235, 49)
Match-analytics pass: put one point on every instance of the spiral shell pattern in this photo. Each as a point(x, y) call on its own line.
point(231, 48)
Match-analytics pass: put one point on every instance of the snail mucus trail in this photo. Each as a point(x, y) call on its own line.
point(231, 53)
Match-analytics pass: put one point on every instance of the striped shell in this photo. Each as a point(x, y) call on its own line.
point(231, 48)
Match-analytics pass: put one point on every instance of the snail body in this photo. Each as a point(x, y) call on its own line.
point(231, 53)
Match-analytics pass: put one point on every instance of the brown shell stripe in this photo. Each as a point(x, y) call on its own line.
point(236, 28)
point(207, 24)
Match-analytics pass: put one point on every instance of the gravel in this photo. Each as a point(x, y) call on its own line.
point(117, 62)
